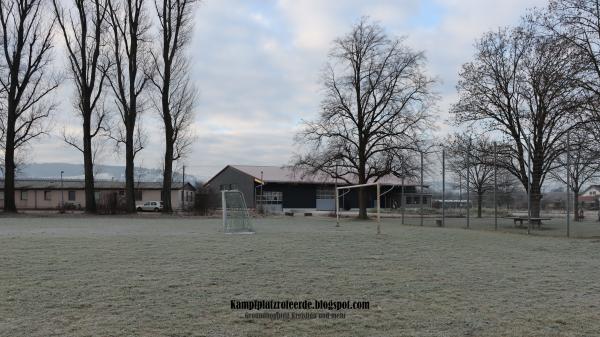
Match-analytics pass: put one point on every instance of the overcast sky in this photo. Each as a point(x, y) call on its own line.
point(257, 66)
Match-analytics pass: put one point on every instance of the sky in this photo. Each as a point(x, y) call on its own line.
point(257, 67)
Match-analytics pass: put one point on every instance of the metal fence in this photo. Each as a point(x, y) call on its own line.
point(456, 204)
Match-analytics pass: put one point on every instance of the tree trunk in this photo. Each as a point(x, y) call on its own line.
point(362, 202)
point(131, 118)
point(168, 169)
point(88, 165)
point(576, 206)
point(10, 205)
point(129, 167)
point(535, 200)
point(479, 202)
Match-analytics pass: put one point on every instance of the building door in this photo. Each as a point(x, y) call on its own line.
point(271, 202)
point(325, 199)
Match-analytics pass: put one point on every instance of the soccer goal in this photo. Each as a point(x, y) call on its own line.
point(342, 190)
point(236, 219)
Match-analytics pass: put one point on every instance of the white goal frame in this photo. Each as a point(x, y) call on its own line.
point(224, 211)
point(349, 187)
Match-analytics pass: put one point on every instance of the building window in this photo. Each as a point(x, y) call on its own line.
point(72, 195)
point(47, 195)
point(228, 187)
point(1, 195)
point(138, 194)
point(270, 198)
point(325, 193)
point(23, 195)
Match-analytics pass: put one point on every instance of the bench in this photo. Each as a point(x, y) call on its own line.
point(533, 221)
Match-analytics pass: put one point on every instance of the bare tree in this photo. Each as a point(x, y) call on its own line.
point(576, 22)
point(130, 46)
point(177, 95)
point(25, 81)
point(522, 87)
point(85, 32)
point(374, 112)
point(583, 164)
point(475, 156)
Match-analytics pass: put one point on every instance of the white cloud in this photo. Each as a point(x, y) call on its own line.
point(257, 64)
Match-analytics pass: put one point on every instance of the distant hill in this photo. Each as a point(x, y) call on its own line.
point(102, 172)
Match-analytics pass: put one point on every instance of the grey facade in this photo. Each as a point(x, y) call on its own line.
point(231, 178)
point(277, 189)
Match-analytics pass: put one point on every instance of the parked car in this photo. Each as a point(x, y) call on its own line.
point(150, 206)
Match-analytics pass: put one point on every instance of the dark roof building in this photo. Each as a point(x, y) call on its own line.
point(279, 188)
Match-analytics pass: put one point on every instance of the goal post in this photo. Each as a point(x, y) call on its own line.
point(349, 187)
point(236, 218)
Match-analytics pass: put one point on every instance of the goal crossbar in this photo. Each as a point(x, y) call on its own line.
point(348, 187)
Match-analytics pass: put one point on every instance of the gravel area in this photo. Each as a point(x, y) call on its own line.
point(168, 276)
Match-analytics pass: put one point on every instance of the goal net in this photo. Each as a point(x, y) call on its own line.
point(236, 219)
point(342, 190)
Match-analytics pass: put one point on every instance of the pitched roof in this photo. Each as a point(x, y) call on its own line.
point(285, 174)
point(53, 184)
point(597, 187)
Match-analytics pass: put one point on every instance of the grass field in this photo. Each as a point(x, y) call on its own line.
point(168, 276)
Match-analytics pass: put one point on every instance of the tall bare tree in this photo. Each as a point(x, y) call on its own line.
point(26, 81)
point(374, 112)
point(583, 161)
point(130, 46)
point(522, 86)
point(577, 23)
point(475, 156)
point(176, 94)
point(85, 31)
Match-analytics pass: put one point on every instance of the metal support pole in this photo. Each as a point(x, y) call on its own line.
point(223, 207)
point(568, 183)
point(421, 198)
point(378, 209)
point(62, 191)
point(468, 185)
point(443, 187)
point(460, 207)
point(495, 186)
point(402, 200)
point(262, 184)
point(337, 208)
point(528, 185)
point(183, 188)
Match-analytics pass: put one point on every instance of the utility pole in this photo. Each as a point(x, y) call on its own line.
point(421, 199)
point(468, 185)
point(529, 185)
point(183, 189)
point(443, 187)
point(569, 183)
point(62, 192)
point(402, 199)
point(495, 186)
